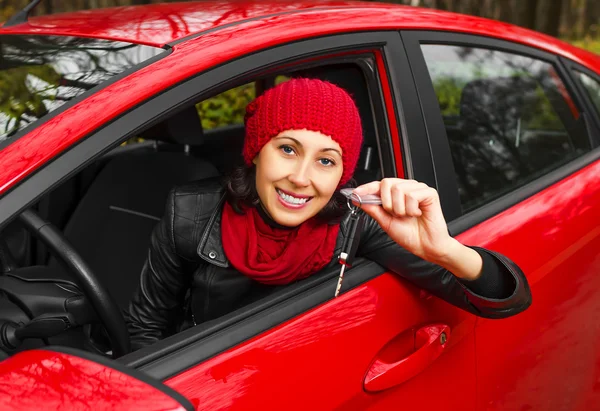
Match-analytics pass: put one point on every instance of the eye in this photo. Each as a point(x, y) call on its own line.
point(326, 162)
point(286, 149)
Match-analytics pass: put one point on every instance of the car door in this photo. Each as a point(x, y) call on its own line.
point(515, 142)
point(381, 344)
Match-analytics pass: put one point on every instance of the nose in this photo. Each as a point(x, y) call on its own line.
point(300, 175)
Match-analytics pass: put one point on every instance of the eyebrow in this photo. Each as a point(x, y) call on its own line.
point(300, 144)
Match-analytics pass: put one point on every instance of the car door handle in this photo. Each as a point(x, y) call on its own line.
point(417, 350)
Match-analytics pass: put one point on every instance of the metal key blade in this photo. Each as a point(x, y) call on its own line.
point(341, 277)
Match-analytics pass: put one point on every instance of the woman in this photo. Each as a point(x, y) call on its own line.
point(280, 219)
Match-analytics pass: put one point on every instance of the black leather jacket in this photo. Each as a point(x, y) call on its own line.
point(186, 254)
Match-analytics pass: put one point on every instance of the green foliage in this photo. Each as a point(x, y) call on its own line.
point(20, 96)
point(589, 44)
point(227, 108)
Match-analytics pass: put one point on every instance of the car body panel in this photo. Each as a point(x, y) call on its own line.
point(547, 357)
point(319, 360)
point(52, 380)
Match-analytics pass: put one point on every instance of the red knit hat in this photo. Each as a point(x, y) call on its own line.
point(310, 104)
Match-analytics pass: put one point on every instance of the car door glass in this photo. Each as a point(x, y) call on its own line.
point(592, 87)
point(509, 119)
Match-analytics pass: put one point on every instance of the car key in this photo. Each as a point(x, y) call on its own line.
point(364, 199)
point(350, 245)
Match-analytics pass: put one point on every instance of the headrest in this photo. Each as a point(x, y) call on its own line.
point(498, 102)
point(183, 127)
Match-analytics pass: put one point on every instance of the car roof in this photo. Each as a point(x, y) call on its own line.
point(162, 24)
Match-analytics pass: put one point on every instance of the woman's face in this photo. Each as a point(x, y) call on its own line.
point(297, 173)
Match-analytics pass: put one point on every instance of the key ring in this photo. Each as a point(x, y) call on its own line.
point(352, 207)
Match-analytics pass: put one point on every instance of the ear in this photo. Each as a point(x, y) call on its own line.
point(255, 160)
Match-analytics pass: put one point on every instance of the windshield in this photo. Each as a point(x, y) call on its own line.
point(38, 74)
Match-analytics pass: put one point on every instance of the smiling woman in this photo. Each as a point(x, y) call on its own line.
point(278, 219)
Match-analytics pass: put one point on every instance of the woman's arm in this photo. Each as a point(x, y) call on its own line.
point(408, 235)
point(165, 278)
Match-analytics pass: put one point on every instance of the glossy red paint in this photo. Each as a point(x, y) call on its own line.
point(41, 379)
point(331, 348)
point(188, 58)
point(387, 371)
point(547, 357)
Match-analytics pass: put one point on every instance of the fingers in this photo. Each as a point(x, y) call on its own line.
point(401, 198)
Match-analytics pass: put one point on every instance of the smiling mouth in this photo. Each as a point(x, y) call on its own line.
point(291, 199)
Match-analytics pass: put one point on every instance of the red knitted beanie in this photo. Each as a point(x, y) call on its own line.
point(309, 104)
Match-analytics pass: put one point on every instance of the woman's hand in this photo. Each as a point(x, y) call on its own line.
point(412, 216)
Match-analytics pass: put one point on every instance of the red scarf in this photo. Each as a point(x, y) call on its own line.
point(272, 255)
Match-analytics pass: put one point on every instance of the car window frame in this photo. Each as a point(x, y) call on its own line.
point(438, 140)
point(183, 350)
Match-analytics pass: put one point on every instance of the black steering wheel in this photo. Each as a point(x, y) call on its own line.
point(106, 309)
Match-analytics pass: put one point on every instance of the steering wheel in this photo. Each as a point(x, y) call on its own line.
point(106, 309)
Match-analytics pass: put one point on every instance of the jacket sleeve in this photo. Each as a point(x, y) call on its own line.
point(164, 281)
point(507, 280)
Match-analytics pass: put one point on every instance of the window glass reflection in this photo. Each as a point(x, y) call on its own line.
point(509, 119)
point(592, 87)
point(38, 74)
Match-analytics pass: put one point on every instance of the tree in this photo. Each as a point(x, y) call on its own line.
point(591, 17)
point(548, 16)
point(526, 13)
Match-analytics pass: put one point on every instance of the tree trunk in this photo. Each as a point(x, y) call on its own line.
point(48, 9)
point(549, 12)
point(505, 11)
point(526, 13)
point(441, 4)
point(591, 17)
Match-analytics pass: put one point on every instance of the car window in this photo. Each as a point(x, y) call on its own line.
point(38, 74)
point(227, 108)
point(509, 119)
point(592, 87)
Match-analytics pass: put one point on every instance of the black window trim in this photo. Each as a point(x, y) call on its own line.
point(166, 103)
point(167, 50)
point(440, 148)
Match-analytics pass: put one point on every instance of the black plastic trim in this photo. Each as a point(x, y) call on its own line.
point(132, 372)
point(204, 341)
point(415, 150)
point(440, 147)
point(5, 143)
point(164, 104)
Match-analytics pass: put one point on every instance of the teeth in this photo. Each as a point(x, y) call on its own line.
point(292, 200)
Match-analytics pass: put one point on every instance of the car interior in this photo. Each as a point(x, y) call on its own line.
point(107, 212)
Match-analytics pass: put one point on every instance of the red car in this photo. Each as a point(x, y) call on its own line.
point(503, 121)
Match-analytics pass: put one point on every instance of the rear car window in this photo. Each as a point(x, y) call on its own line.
point(38, 74)
point(592, 87)
point(509, 119)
